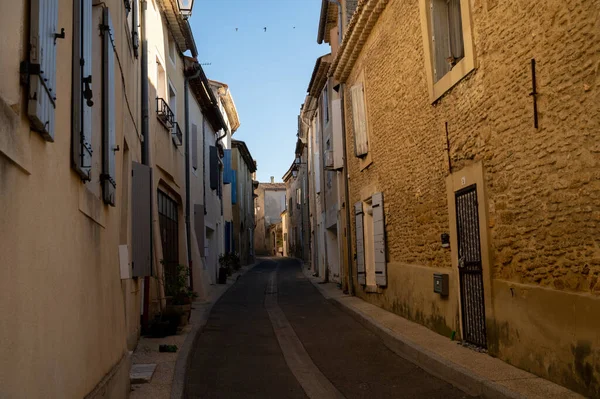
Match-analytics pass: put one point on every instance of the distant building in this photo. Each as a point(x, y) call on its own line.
point(268, 205)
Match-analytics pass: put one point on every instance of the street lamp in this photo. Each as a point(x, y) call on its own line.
point(185, 8)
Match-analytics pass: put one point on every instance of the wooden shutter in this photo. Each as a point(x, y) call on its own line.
point(360, 243)
point(214, 167)
point(194, 146)
point(135, 36)
point(361, 144)
point(109, 183)
point(199, 227)
point(234, 186)
point(141, 220)
point(42, 68)
point(440, 39)
point(379, 239)
point(457, 47)
point(338, 146)
point(227, 166)
point(81, 135)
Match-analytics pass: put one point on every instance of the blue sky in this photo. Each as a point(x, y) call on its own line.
point(267, 72)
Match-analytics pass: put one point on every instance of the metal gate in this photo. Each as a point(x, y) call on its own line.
point(169, 234)
point(470, 267)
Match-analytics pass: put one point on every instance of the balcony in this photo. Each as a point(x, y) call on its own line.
point(164, 113)
point(176, 134)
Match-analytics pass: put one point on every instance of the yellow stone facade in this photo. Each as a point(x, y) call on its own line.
point(539, 189)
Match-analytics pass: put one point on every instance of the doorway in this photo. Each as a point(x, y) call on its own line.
point(169, 234)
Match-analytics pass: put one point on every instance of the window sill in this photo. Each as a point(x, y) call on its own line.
point(365, 162)
point(449, 80)
point(91, 206)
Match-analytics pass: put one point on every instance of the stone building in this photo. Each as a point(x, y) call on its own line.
point(472, 142)
point(296, 228)
point(242, 200)
point(268, 205)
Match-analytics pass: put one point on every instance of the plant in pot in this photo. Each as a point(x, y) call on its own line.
point(179, 295)
point(224, 267)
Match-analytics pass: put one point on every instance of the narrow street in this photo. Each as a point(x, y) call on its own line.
point(273, 335)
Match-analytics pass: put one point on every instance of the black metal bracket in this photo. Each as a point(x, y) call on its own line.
point(27, 69)
point(534, 94)
point(87, 91)
point(60, 35)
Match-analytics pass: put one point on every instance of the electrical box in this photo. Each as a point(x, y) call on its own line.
point(440, 284)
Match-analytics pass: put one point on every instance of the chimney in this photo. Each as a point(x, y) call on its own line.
point(272, 179)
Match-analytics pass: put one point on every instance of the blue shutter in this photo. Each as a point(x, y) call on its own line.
point(227, 167)
point(214, 167)
point(109, 184)
point(234, 186)
point(42, 83)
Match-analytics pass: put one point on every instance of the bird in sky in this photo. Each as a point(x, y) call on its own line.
point(236, 29)
point(265, 28)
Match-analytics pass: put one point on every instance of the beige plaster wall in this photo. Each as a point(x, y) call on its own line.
point(66, 312)
point(542, 186)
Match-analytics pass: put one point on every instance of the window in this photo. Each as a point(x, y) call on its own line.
point(448, 43)
point(173, 101)
point(298, 197)
point(161, 91)
point(325, 105)
point(359, 119)
point(172, 50)
point(371, 266)
point(131, 11)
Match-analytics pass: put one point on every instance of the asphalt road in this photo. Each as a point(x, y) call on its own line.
point(273, 335)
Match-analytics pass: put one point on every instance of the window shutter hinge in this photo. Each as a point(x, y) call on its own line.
point(60, 35)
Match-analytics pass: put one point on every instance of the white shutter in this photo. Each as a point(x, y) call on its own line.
point(82, 88)
point(338, 147)
point(361, 145)
point(42, 68)
point(109, 183)
point(441, 38)
point(379, 239)
point(360, 243)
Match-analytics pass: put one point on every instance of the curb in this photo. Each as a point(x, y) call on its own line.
point(433, 363)
point(203, 311)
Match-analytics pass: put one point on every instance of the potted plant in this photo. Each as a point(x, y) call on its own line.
point(179, 295)
point(224, 268)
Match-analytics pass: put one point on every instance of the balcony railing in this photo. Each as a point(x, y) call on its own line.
point(176, 134)
point(164, 113)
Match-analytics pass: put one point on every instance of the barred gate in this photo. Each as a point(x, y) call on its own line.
point(470, 267)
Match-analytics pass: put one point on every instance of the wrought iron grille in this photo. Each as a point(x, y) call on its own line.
point(470, 267)
point(164, 113)
point(176, 134)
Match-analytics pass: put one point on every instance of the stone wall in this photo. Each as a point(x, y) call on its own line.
point(542, 185)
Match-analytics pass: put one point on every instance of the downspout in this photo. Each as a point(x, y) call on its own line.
point(145, 149)
point(346, 194)
point(187, 173)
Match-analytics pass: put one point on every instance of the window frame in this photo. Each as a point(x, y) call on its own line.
point(462, 68)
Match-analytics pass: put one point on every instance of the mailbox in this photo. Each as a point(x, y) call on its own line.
point(440, 284)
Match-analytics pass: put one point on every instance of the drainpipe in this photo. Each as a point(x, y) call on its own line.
point(188, 211)
point(346, 195)
point(145, 148)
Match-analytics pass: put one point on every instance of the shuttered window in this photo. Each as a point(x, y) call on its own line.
point(227, 171)
point(109, 184)
point(141, 220)
point(42, 66)
point(214, 167)
point(360, 243)
point(234, 187)
point(379, 239)
point(447, 38)
point(359, 118)
point(135, 36)
point(194, 146)
point(82, 102)
point(338, 148)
